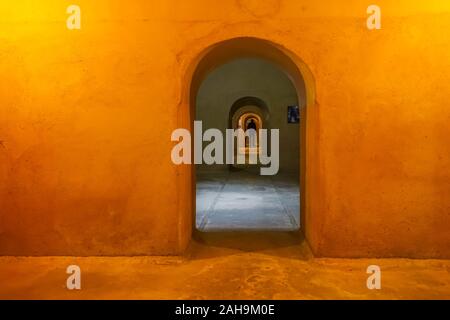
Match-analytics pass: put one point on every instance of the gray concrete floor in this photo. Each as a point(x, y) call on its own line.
point(243, 200)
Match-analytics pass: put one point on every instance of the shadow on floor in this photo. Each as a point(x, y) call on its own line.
point(207, 245)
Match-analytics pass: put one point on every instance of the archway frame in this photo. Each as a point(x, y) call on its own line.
point(245, 116)
point(242, 103)
point(218, 53)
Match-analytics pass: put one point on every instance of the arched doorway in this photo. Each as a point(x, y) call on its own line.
point(243, 111)
point(246, 122)
point(222, 52)
point(241, 195)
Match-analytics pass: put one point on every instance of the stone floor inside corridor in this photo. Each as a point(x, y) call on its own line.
point(225, 266)
point(242, 200)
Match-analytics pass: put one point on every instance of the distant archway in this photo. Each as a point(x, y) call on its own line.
point(247, 108)
point(249, 104)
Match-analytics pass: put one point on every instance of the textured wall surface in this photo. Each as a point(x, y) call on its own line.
point(86, 117)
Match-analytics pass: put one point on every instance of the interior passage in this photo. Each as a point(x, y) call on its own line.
point(242, 200)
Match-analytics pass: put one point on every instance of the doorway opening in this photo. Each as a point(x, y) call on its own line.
point(249, 94)
point(211, 56)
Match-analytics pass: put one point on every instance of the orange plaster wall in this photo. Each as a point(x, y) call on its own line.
point(86, 118)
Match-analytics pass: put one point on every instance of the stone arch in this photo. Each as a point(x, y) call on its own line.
point(219, 53)
point(249, 104)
